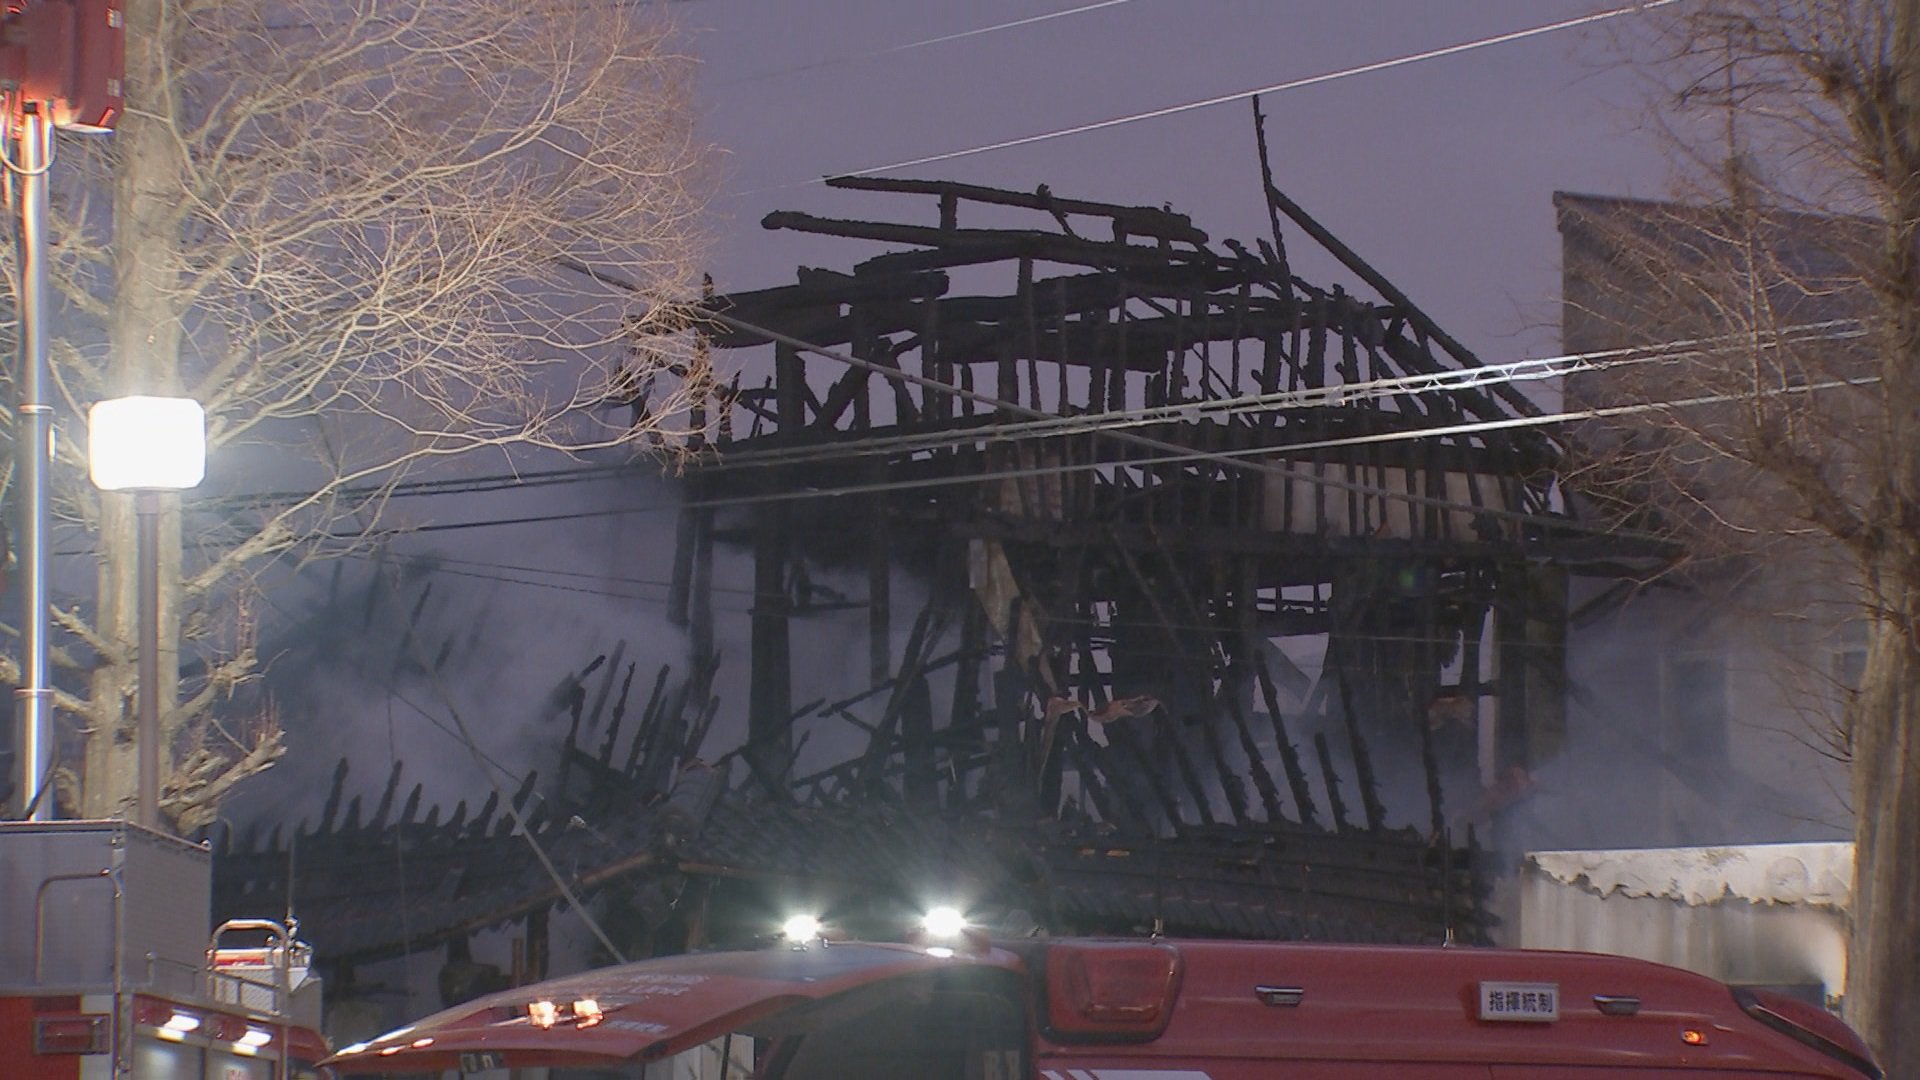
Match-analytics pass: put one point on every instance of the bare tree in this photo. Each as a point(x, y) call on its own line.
point(1787, 434)
point(368, 235)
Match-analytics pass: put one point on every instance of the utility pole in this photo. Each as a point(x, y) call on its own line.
point(62, 65)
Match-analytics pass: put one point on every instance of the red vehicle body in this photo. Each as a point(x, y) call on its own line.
point(108, 969)
point(1069, 1009)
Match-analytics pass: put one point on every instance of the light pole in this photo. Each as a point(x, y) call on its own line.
point(33, 445)
point(147, 445)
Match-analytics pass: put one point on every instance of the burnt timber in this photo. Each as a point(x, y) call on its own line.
point(1122, 462)
point(1112, 465)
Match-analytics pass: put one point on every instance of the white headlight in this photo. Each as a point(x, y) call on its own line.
point(944, 922)
point(801, 928)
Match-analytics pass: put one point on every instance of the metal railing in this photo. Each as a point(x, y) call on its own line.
point(279, 955)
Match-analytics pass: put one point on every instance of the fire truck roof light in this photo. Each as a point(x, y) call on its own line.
point(944, 922)
point(939, 952)
point(801, 928)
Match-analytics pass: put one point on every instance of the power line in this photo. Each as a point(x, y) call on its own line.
point(1274, 88)
point(1046, 425)
point(1093, 622)
point(1184, 456)
point(472, 485)
point(1684, 349)
point(1331, 396)
point(924, 42)
point(571, 573)
point(1176, 450)
point(512, 807)
point(440, 565)
point(1454, 381)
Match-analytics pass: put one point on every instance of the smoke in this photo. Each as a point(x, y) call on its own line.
point(371, 656)
point(1682, 732)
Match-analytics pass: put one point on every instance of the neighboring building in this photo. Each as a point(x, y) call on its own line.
point(1701, 705)
point(1697, 815)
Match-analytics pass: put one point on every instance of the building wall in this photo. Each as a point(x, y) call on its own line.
point(1701, 706)
point(1763, 915)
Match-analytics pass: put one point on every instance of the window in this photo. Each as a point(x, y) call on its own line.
point(1850, 656)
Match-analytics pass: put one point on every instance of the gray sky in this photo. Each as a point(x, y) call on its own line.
point(1441, 173)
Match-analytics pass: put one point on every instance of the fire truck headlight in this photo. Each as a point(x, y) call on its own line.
point(801, 929)
point(944, 922)
point(543, 1014)
point(255, 1037)
point(182, 1022)
point(586, 1012)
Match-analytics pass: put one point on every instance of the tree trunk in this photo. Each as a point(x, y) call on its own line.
point(1883, 952)
point(1883, 957)
point(145, 330)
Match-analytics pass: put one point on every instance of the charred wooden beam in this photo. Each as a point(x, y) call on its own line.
point(1331, 780)
point(959, 247)
point(1127, 220)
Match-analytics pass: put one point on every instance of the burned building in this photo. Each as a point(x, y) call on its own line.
point(1232, 603)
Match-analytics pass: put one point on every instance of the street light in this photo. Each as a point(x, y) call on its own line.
point(147, 445)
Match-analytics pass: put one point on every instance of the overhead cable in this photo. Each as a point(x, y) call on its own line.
point(1441, 382)
point(1176, 451)
point(1191, 456)
point(924, 42)
point(1290, 84)
point(1169, 453)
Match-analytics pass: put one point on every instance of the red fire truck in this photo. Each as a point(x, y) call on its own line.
point(1147, 1009)
point(108, 970)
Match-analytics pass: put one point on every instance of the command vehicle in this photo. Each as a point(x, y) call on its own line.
point(110, 969)
point(1148, 1009)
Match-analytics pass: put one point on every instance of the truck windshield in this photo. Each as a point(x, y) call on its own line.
point(963, 1024)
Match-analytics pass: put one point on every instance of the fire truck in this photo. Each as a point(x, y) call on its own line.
point(967, 1008)
point(109, 967)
